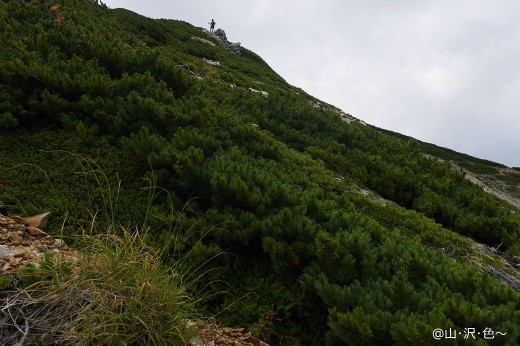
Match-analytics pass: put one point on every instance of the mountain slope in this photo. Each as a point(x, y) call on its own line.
point(495, 178)
point(264, 189)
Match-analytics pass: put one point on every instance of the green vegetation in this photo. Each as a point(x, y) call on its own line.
point(269, 183)
point(117, 293)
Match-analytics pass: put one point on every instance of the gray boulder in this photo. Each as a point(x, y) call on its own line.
point(220, 35)
point(5, 253)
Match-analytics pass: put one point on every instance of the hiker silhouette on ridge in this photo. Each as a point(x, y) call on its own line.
point(211, 26)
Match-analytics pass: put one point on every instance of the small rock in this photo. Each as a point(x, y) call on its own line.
point(5, 253)
point(27, 256)
point(6, 267)
point(16, 239)
point(196, 342)
point(35, 231)
point(59, 243)
point(13, 262)
point(38, 221)
point(19, 252)
point(20, 220)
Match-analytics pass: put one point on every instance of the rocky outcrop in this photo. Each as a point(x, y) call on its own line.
point(203, 40)
point(211, 62)
point(492, 185)
point(187, 68)
point(345, 117)
point(221, 37)
point(263, 93)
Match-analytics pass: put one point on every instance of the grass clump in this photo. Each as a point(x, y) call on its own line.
point(117, 292)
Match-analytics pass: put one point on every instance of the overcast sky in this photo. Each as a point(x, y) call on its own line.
point(444, 71)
